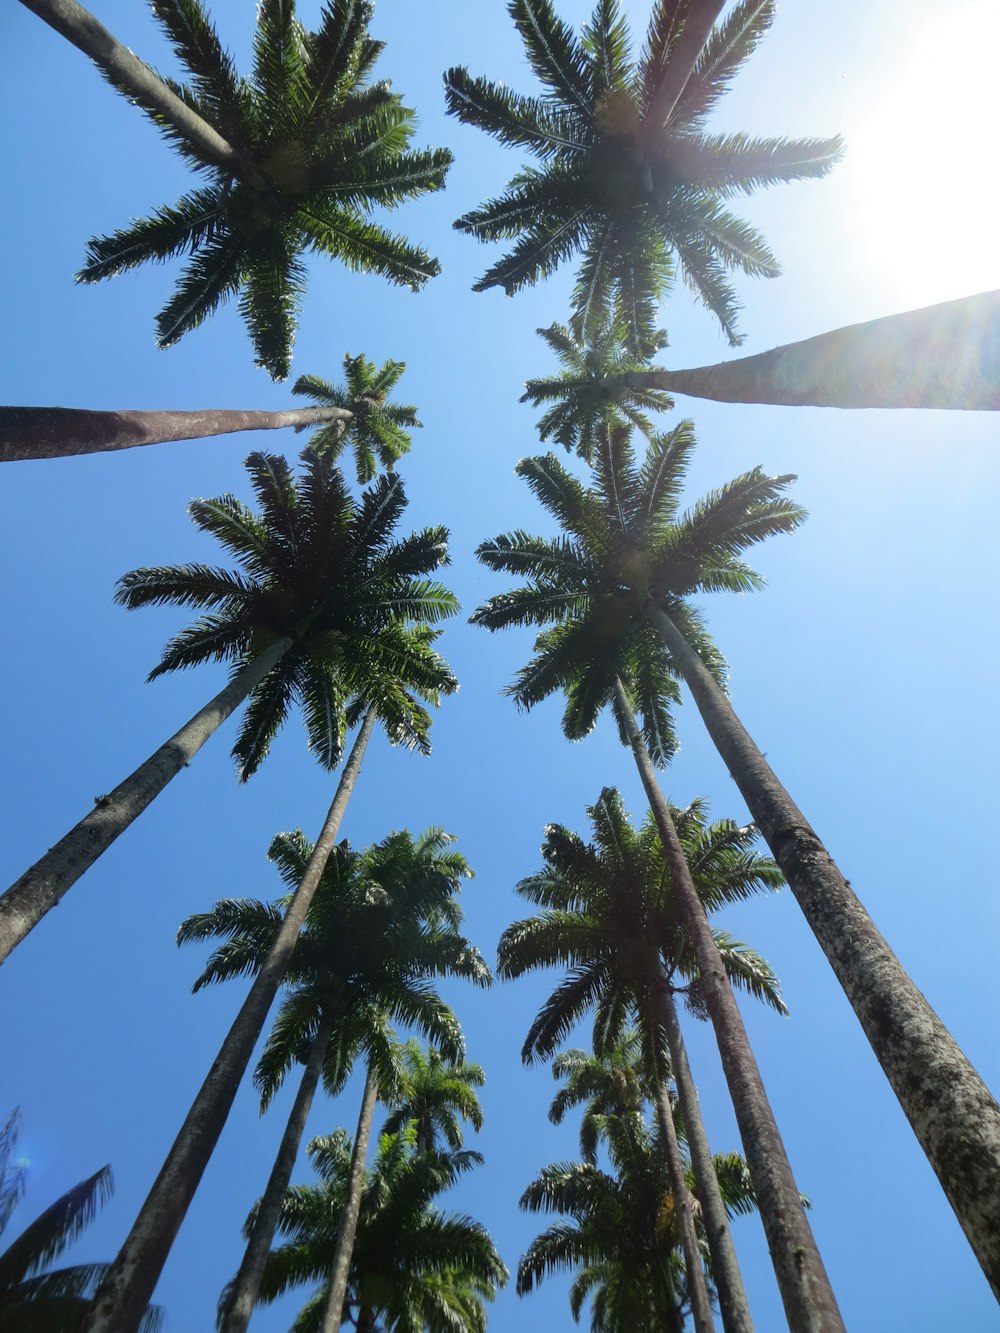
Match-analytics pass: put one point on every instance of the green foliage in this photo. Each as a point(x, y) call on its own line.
point(436, 1095)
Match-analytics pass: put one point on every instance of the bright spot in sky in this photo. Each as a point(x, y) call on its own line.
point(922, 157)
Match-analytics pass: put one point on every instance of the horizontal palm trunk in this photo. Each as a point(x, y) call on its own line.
point(733, 1306)
point(945, 355)
point(952, 1112)
point(698, 23)
point(135, 78)
point(242, 1296)
point(129, 1282)
point(810, 1305)
point(63, 432)
point(43, 886)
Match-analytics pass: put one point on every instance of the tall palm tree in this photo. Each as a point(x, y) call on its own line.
point(414, 1266)
point(436, 1094)
point(318, 611)
point(616, 590)
point(382, 922)
point(640, 194)
point(34, 1297)
point(295, 158)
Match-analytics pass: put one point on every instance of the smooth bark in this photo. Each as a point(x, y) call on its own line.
point(810, 1305)
point(945, 356)
point(333, 1311)
point(241, 1298)
point(733, 1306)
point(701, 1305)
point(698, 24)
point(953, 1114)
point(62, 432)
point(42, 886)
point(135, 78)
point(129, 1282)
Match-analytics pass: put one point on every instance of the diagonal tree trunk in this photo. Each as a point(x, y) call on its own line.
point(810, 1305)
point(62, 432)
point(333, 1312)
point(42, 886)
point(241, 1296)
point(128, 1283)
point(733, 1305)
point(698, 24)
point(952, 1112)
point(701, 1305)
point(135, 79)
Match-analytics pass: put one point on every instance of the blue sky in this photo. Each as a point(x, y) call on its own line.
point(866, 670)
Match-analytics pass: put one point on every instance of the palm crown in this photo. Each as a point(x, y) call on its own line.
point(325, 570)
point(436, 1094)
point(637, 199)
point(322, 145)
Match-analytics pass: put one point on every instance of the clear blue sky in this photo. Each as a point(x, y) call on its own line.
point(866, 671)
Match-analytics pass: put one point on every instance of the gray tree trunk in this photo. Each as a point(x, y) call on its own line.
point(241, 1297)
point(129, 1282)
point(62, 432)
point(733, 1306)
point(133, 77)
point(698, 24)
point(952, 1112)
point(333, 1312)
point(810, 1305)
point(42, 886)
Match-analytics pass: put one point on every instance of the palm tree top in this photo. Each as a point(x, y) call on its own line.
point(640, 201)
point(436, 1095)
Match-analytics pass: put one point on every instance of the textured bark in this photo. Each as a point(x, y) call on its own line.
point(701, 1306)
point(945, 355)
point(952, 1112)
point(733, 1305)
point(42, 886)
point(242, 1295)
point(129, 1282)
point(810, 1305)
point(135, 78)
point(698, 24)
point(333, 1312)
point(62, 432)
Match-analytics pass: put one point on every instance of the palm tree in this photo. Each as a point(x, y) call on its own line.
point(616, 589)
point(34, 1297)
point(640, 198)
point(296, 156)
point(317, 611)
point(381, 923)
point(414, 1266)
point(436, 1094)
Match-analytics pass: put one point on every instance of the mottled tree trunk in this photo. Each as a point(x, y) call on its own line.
point(333, 1312)
point(63, 432)
point(241, 1297)
point(810, 1305)
point(42, 886)
point(129, 1282)
point(953, 1114)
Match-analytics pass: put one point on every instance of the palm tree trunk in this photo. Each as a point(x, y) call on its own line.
point(810, 1305)
point(333, 1312)
point(129, 1282)
point(698, 24)
point(241, 1297)
point(130, 75)
point(42, 886)
point(62, 432)
point(945, 355)
point(952, 1112)
point(733, 1306)
point(701, 1306)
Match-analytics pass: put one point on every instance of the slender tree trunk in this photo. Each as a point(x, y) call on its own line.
point(241, 1297)
point(62, 432)
point(952, 1112)
point(135, 79)
point(733, 1306)
point(333, 1312)
point(698, 24)
point(810, 1305)
point(945, 355)
point(129, 1282)
point(42, 886)
point(701, 1305)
